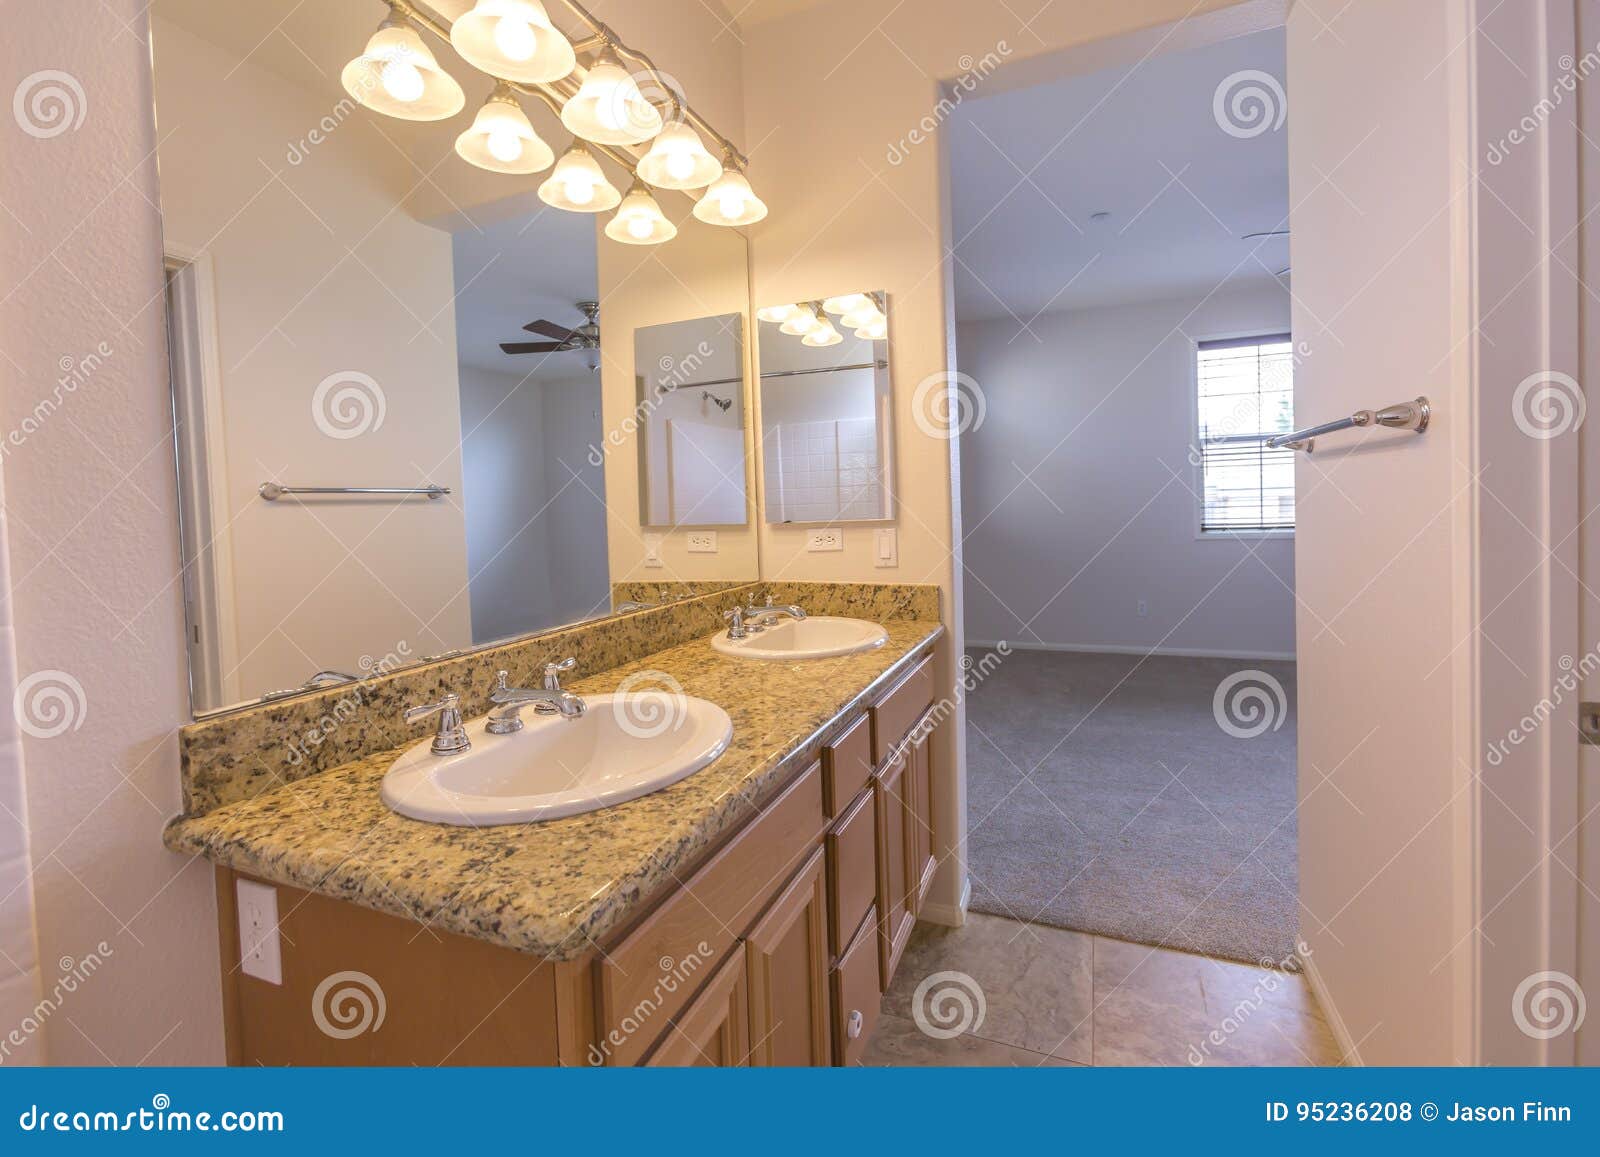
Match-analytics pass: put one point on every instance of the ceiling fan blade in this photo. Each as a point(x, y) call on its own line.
point(532, 347)
point(549, 329)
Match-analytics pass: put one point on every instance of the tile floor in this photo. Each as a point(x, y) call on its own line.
point(1055, 997)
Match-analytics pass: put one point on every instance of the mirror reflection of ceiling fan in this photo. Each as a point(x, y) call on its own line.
point(560, 337)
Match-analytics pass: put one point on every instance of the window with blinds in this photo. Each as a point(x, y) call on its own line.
point(1246, 393)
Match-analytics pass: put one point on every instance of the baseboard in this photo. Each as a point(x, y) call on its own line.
point(946, 914)
point(1330, 1013)
point(1112, 649)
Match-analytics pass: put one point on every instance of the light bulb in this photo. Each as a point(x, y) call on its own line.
point(402, 80)
point(639, 227)
point(578, 192)
point(801, 322)
point(680, 166)
point(777, 313)
point(730, 205)
point(846, 303)
point(877, 331)
point(504, 145)
point(515, 37)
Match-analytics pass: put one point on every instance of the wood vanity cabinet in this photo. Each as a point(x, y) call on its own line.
point(774, 950)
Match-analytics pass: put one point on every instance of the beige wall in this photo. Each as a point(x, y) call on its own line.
point(831, 92)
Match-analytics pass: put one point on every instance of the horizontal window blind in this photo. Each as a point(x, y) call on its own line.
point(1246, 390)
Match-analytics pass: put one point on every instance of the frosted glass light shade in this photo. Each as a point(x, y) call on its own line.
point(777, 313)
point(397, 76)
point(847, 303)
point(876, 331)
point(609, 109)
point(639, 220)
point(678, 160)
point(502, 139)
point(579, 185)
point(863, 316)
point(730, 201)
point(802, 322)
point(823, 335)
point(513, 40)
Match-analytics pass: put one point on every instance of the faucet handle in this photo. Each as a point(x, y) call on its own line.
point(451, 702)
point(552, 672)
point(451, 738)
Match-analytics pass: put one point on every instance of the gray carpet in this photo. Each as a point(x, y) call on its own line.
point(1075, 818)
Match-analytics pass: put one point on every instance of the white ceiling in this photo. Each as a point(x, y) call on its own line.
point(1030, 166)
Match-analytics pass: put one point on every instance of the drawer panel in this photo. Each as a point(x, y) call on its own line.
point(899, 709)
point(852, 871)
point(847, 765)
point(649, 976)
point(855, 995)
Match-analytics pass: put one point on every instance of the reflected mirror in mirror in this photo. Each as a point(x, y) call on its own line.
point(690, 379)
point(825, 409)
point(401, 416)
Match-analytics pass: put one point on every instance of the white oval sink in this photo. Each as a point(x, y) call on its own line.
point(814, 637)
point(623, 747)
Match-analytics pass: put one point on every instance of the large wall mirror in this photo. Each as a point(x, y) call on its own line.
point(825, 410)
point(409, 416)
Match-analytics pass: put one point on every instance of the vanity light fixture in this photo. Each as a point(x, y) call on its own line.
point(801, 322)
point(847, 303)
point(639, 220)
point(678, 160)
point(578, 184)
point(863, 314)
point(730, 201)
point(513, 40)
point(502, 139)
point(823, 335)
point(397, 75)
point(875, 331)
point(777, 314)
point(608, 107)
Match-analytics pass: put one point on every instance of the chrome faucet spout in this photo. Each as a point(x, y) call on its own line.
point(550, 699)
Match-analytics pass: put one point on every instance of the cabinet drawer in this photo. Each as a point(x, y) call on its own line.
point(900, 708)
point(649, 976)
point(852, 871)
point(855, 995)
point(847, 765)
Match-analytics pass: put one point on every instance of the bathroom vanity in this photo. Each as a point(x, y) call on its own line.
point(751, 914)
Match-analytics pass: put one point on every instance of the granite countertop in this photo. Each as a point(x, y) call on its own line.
point(552, 889)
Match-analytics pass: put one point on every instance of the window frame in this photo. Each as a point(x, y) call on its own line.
point(1197, 469)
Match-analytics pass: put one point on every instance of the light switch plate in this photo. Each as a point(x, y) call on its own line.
point(652, 550)
point(885, 547)
point(702, 542)
point(826, 538)
point(260, 950)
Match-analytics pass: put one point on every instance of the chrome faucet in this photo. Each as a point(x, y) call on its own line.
point(550, 699)
point(760, 616)
point(451, 738)
point(735, 621)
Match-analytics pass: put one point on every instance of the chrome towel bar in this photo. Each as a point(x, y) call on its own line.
point(272, 491)
point(1411, 415)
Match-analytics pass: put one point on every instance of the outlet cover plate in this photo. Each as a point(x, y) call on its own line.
point(702, 542)
point(824, 538)
point(260, 949)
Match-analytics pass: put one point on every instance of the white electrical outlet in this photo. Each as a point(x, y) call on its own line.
point(827, 538)
point(652, 550)
point(885, 547)
point(260, 952)
point(702, 542)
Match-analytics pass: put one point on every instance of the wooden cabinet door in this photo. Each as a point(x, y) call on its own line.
point(786, 964)
point(714, 1029)
point(895, 882)
point(920, 826)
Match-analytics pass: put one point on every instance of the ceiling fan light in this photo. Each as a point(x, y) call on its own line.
point(578, 184)
point(678, 160)
point(397, 76)
point(846, 303)
point(639, 220)
point(513, 40)
point(777, 313)
point(609, 109)
point(502, 138)
point(730, 201)
point(823, 335)
point(801, 322)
